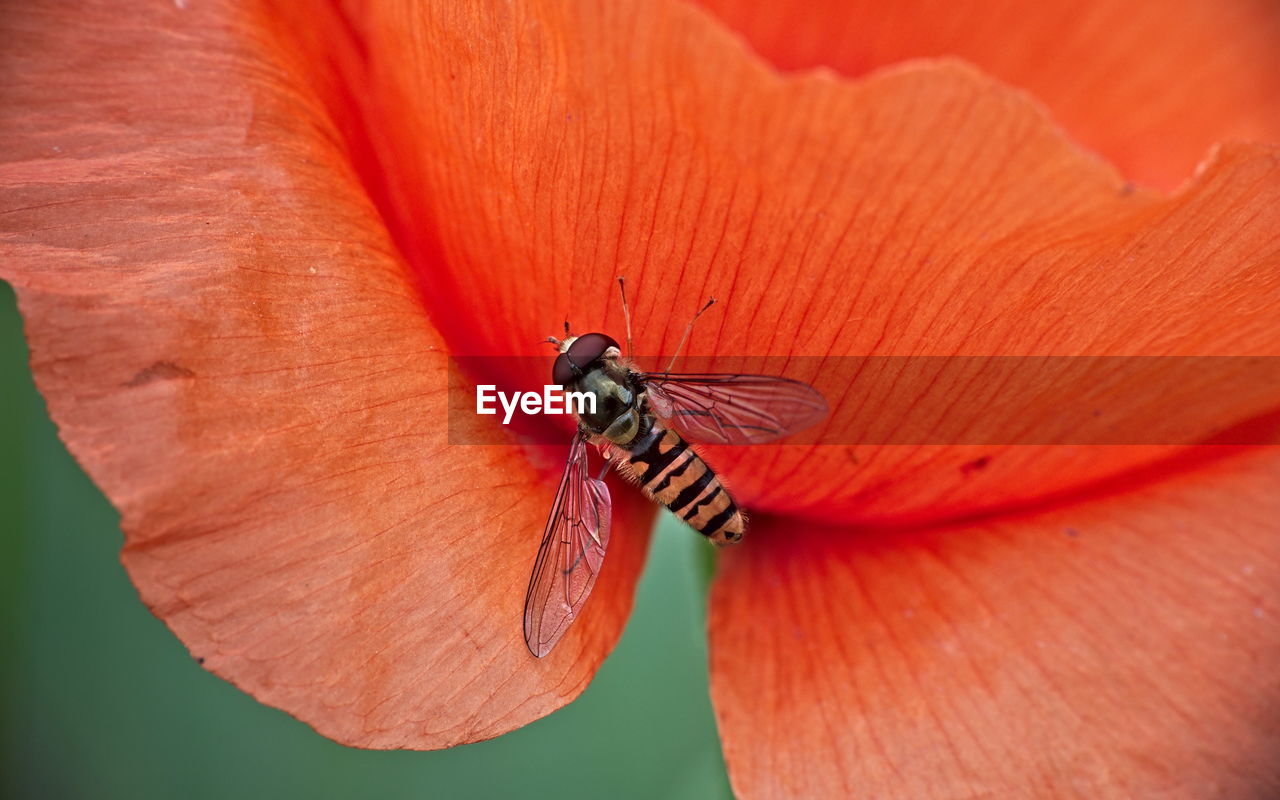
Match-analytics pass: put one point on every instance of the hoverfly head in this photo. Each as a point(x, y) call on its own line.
point(578, 354)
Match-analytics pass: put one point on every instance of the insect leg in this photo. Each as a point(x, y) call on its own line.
point(688, 328)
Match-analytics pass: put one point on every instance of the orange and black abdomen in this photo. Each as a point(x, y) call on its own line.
point(670, 472)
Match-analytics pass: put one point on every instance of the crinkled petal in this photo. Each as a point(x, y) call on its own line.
point(1150, 84)
point(1126, 646)
point(237, 354)
point(546, 148)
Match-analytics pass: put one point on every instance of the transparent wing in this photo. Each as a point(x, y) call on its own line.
point(733, 409)
point(570, 555)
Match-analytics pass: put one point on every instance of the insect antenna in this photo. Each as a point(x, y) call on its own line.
point(626, 313)
point(687, 330)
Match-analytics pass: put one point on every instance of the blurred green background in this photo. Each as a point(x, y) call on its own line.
point(101, 701)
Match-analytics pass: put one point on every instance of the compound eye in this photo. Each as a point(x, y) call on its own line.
point(588, 348)
point(562, 373)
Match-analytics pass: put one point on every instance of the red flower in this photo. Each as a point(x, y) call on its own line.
point(244, 239)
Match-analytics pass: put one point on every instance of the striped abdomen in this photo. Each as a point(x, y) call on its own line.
point(672, 474)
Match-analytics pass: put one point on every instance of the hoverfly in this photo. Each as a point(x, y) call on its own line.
point(642, 424)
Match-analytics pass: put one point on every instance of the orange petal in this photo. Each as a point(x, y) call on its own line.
point(1123, 647)
point(547, 148)
point(235, 352)
point(1150, 84)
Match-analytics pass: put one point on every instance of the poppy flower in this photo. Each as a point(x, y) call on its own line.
point(246, 238)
